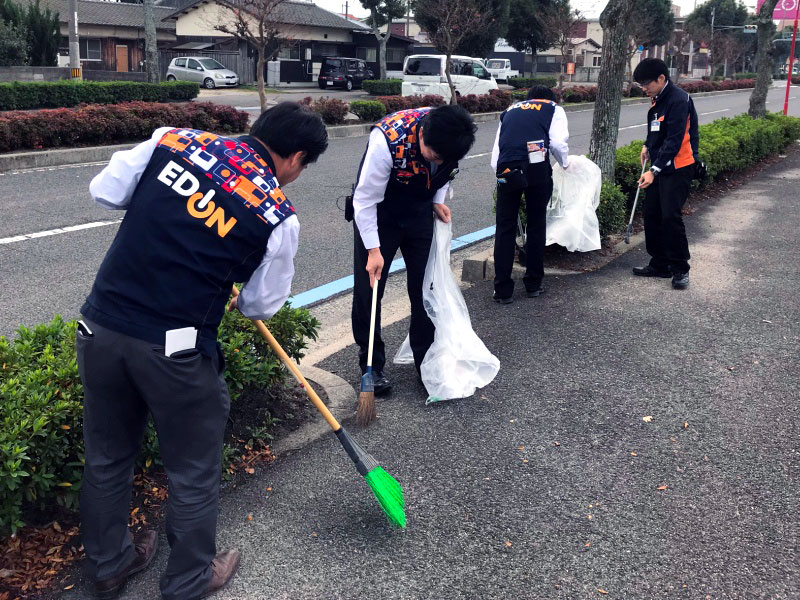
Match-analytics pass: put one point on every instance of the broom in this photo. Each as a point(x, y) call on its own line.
point(365, 414)
point(387, 490)
point(633, 210)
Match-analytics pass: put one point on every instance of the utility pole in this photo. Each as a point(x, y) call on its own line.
point(74, 46)
point(150, 43)
point(711, 43)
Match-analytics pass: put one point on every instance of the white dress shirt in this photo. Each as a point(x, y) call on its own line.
point(270, 284)
point(371, 187)
point(559, 138)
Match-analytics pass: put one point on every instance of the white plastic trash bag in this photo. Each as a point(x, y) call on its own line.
point(457, 363)
point(571, 217)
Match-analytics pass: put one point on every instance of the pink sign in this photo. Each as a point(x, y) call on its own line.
point(785, 9)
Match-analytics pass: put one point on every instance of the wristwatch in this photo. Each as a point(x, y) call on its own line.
point(655, 170)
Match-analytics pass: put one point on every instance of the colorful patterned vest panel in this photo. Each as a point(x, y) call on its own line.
point(199, 220)
point(412, 185)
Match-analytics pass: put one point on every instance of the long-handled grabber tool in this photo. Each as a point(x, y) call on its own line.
point(387, 490)
point(365, 414)
point(633, 210)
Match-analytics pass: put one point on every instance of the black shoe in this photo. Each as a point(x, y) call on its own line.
point(497, 298)
point(648, 271)
point(534, 293)
point(680, 281)
point(382, 384)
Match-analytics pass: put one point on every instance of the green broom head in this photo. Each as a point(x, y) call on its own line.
point(387, 490)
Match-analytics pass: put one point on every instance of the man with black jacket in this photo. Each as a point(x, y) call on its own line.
point(671, 146)
point(403, 180)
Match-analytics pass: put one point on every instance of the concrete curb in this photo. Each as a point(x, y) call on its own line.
point(16, 161)
point(480, 266)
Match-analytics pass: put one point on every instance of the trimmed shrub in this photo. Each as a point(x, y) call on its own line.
point(382, 87)
point(611, 210)
point(98, 124)
point(527, 82)
point(368, 110)
point(745, 75)
point(41, 441)
point(63, 94)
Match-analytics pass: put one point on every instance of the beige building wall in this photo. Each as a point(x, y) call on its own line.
point(108, 31)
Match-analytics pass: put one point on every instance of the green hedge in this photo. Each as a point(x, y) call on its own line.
point(368, 110)
point(41, 444)
point(62, 94)
point(527, 82)
point(382, 87)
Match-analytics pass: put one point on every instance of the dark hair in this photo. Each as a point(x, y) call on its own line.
point(541, 92)
point(649, 69)
point(289, 127)
point(449, 131)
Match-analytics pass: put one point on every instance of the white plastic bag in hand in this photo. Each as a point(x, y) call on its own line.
point(458, 362)
point(571, 217)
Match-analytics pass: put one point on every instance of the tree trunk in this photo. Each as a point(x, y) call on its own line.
point(262, 92)
point(630, 75)
point(765, 33)
point(448, 66)
point(150, 43)
point(605, 124)
point(382, 39)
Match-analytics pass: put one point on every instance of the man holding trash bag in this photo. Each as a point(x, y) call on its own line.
point(202, 211)
point(529, 130)
point(411, 157)
point(671, 146)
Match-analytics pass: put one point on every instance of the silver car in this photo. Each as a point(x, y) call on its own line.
point(206, 71)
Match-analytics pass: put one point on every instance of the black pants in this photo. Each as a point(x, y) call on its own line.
point(413, 238)
point(537, 195)
point(123, 379)
point(665, 234)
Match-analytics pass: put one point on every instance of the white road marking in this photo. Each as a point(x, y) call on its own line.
point(58, 168)
point(714, 112)
point(60, 230)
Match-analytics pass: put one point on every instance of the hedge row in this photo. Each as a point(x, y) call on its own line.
point(382, 87)
point(41, 440)
point(63, 94)
point(527, 82)
point(108, 124)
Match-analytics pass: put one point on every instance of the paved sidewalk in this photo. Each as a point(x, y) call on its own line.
point(550, 483)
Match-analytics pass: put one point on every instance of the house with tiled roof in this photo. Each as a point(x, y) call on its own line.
point(111, 34)
point(311, 33)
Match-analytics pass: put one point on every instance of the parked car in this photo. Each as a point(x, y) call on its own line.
point(204, 70)
point(347, 73)
point(501, 70)
point(425, 74)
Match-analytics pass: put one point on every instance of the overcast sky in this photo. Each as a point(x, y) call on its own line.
point(590, 8)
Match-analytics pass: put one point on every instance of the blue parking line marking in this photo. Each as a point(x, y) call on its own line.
point(334, 288)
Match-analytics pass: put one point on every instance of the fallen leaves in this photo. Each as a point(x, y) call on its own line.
point(686, 424)
point(508, 544)
point(661, 488)
point(601, 591)
point(647, 419)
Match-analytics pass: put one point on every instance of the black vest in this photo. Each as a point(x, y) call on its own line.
point(524, 122)
point(414, 181)
point(198, 221)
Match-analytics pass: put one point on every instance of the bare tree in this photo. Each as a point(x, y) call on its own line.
point(381, 12)
point(448, 22)
point(560, 20)
point(765, 34)
point(255, 22)
point(615, 21)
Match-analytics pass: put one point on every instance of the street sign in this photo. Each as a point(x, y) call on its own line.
point(750, 29)
point(570, 68)
point(640, 49)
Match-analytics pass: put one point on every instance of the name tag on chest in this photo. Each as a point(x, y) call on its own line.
point(536, 151)
point(655, 125)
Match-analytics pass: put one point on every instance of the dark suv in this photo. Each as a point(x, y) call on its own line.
point(346, 73)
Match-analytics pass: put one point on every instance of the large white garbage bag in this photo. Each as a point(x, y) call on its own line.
point(571, 217)
point(457, 362)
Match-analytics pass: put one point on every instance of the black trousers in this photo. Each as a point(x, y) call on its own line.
point(665, 234)
point(537, 195)
point(124, 379)
point(413, 238)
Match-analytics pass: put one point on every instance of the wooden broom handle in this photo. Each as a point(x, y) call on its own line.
point(276, 347)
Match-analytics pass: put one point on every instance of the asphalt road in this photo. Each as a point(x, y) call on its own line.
point(53, 274)
point(551, 483)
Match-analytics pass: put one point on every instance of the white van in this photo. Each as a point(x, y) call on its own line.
point(425, 74)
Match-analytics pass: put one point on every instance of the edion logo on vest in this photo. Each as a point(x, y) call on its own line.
point(199, 205)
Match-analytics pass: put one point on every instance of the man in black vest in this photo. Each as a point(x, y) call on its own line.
point(671, 145)
point(203, 212)
point(529, 130)
point(403, 180)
